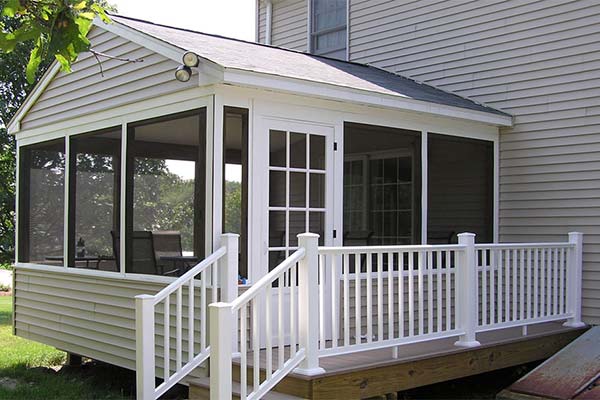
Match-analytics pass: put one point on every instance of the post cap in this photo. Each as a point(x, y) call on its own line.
point(230, 235)
point(308, 235)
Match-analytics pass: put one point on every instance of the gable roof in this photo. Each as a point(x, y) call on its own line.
point(239, 61)
point(276, 61)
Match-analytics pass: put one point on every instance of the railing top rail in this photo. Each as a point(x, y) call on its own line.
point(394, 248)
point(198, 268)
point(267, 279)
point(523, 245)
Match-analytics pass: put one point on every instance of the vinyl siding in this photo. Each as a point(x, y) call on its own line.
point(289, 26)
point(262, 22)
point(93, 317)
point(86, 90)
point(540, 61)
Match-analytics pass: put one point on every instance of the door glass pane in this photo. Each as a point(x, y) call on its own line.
point(297, 150)
point(298, 189)
point(317, 152)
point(277, 184)
point(297, 226)
point(277, 153)
point(316, 224)
point(317, 191)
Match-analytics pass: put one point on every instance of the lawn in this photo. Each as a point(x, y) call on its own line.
point(37, 370)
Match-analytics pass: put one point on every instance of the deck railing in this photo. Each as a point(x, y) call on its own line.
point(282, 306)
point(208, 282)
point(328, 301)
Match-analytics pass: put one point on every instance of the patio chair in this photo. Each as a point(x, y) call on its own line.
point(168, 244)
point(143, 258)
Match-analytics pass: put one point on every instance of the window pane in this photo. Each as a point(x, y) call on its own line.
point(96, 209)
point(317, 191)
point(277, 188)
point(42, 203)
point(298, 150)
point(297, 189)
point(277, 155)
point(166, 233)
point(297, 226)
point(317, 152)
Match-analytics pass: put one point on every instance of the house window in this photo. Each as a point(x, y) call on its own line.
point(94, 194)
point(41, 203)
point(328, 28)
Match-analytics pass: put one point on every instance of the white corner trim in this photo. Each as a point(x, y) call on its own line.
point(329, 91)
point(14, 125)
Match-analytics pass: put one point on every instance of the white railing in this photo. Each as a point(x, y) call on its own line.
point(282, 307)
point(186, 348)
point(385, 296)
point(528, 283)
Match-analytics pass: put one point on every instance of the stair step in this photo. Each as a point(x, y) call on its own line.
point(204, 383)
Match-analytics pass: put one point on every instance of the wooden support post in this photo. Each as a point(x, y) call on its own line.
point(308, 304)
point(221, 328)
point(228, 278)
point(144, 347)
point(466, 291)
point(574, 277)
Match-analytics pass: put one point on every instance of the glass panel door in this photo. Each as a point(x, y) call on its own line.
point(297, 189)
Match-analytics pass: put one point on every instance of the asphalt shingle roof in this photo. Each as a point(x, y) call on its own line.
point(249, 56)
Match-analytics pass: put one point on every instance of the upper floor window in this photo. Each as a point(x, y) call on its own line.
point(328, 28)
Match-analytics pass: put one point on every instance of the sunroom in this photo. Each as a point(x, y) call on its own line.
point(131, 183)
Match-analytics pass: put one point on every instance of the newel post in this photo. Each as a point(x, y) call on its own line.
point(466, 291)
point(220, 334)
point(144, 347)
point(308, 303)
point(228, 277)
point(574, 277)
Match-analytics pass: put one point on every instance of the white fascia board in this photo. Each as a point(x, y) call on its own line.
point(14, 125)
point(346, 94)
point(159, 46)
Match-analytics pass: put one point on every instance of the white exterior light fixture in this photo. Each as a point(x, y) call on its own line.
point(183, 73)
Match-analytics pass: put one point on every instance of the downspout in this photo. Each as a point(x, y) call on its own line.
point(268, 21)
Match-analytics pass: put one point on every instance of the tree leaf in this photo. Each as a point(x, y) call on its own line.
point(35, 58)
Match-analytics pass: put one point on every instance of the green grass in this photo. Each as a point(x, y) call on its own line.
point(32, 365)
point(6, 266)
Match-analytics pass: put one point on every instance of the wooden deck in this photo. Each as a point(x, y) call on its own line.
point(377, 372)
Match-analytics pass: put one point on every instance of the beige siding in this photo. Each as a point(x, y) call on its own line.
point(262, 21)
point(289, 25)
point(539, 60)
point(86, 91)
point(94, 317)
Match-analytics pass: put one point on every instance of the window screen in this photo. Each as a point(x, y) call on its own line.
point(328, 29)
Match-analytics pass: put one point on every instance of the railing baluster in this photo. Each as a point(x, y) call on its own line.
point(548, 282)
point(346, 298)
point(555, 282)
point(448, 272)
point(268, 333)
point(293, 310)
point(515, 277)
point(357, 299)
point(280, 327)
point(420, 292)
point(214, 273)
point(321, 301)
point(439, 290)
point(529, 287)
point(429, 292)
point(379, 296)
point(561, 297)
point(521, 284)
point(166, 338)
point(542, 282)
point(369, 297)
point(536, 283)
point(507, 276)
point(244, 353)
point(178, 331)
point(493, 282)
point(335, 304)
point(484, 287)
point(411, 295)
point(401, 294)
point(255, 345)
point(390, 286)
point(203, 316)
point(191, 320)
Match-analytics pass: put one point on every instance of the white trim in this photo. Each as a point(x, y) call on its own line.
point(334, 92)
point(209, 156)
point(17, 202)
point(348, 30)
point(217, 165)
point(123, 199)
point(14, 125)
point(424, 185)
point(96, 274)
point(496, 195)
point(309, 26)
point(155, 107)
point(66, 178)
point(257, 21)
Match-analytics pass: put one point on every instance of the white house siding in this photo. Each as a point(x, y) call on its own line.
point(86, 91)
point(91, 316)
point(289, 27)
point(539, 60)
